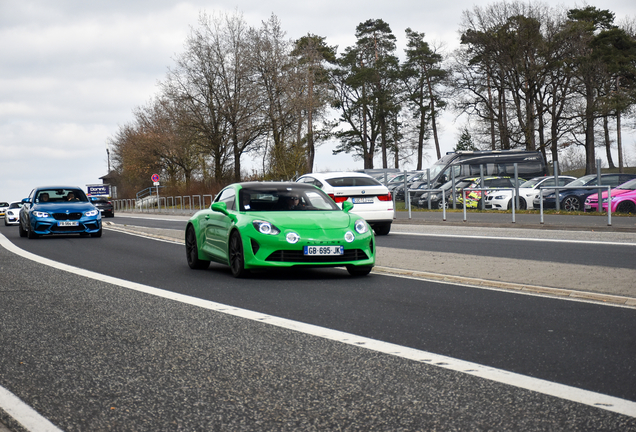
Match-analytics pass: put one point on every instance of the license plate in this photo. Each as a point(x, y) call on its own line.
point(364, 200)
point(588, 207)
point(67, 223)
point(324, 250)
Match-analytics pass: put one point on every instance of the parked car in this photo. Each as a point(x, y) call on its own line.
point(370, 198)
point(104, 205)
point(502, 199)
point(574, 199)
point(59, 210)
point(412, 180)
point(421, 194)
point(12, 213)
point(623, 199)
point(474, 198)
point(279, 224)
point(499, 163)
point(3, 207)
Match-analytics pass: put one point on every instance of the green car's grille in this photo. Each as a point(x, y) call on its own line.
point(299, 257)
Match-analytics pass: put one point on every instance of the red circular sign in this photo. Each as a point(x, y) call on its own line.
point(155, 177)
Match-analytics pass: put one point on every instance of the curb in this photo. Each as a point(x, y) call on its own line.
point(510, 286)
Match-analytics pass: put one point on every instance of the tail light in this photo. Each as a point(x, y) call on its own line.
point(338, 199)
point(386, 197)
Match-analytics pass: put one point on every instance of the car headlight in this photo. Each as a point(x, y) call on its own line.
point(265, 227)
point(292, 237)
point(499, 197)
point(40, 214)
point(91, 213)
point(361, 227)
point(349, 237)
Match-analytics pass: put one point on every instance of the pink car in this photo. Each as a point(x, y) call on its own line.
point(623, 199)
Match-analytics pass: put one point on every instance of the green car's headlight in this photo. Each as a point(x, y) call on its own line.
point(349, 236)
point(265, 227)
point(40, 214)
point(361, 227)
point(91, 213)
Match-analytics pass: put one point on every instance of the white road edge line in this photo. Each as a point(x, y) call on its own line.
point(586, 397)
point(29, 418)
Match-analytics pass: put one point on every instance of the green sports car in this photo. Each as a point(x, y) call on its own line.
point(274, 224)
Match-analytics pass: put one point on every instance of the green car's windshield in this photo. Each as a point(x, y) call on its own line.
point(285, 199)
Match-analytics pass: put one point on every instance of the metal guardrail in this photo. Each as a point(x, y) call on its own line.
point(185, 204)
point(600, 198)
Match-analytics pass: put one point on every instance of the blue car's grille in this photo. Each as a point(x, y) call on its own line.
point(69, 216)
point(299, 257)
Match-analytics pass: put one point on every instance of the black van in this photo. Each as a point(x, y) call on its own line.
point(530, 164)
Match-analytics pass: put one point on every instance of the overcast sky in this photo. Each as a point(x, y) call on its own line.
point(72, 71)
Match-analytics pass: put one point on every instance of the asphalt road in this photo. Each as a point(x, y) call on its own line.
point(91, 355)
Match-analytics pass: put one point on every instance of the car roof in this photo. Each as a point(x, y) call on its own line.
point(277, 185)
point(334, 174)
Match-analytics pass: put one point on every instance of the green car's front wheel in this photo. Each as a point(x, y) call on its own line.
point(237, 259)
point(359, 270)
point(192, 251)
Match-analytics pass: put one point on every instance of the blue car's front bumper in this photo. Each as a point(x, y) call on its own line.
point(61, 223)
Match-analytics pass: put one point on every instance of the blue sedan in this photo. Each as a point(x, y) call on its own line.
point(59, 210)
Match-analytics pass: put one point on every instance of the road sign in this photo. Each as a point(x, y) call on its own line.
point(155, 178)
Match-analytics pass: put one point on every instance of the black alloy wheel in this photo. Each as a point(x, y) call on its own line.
point(21, 230)
point(192, 251)
point(237, 259)
point(571, 203)
point(358, 271)
point(626, 207)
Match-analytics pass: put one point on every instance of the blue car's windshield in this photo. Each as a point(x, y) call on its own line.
point(60, 195)
point(285, 199)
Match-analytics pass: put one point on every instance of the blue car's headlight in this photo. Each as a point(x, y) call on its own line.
point(40, 214)
point(361, 226)
point(91, 213)
point(265, 227)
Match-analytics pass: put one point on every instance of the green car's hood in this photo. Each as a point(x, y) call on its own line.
point(306, 220)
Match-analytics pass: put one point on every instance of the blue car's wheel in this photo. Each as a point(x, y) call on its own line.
point(30, 233)
point(237, 259)
point(21, 230)
point(192, 251)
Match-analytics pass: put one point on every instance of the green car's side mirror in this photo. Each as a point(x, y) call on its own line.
point(347, 206)
point(221, 207)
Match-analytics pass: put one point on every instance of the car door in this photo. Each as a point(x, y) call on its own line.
point(216, 226)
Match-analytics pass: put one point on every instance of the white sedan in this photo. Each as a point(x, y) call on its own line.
point(12, 213)
point(502, 199)
point(370, 198)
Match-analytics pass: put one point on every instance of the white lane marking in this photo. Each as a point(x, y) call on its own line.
point(516, 239)
point(573, 394)
point(29, 418)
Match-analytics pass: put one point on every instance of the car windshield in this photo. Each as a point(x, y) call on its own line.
point(532, 182)
point(583, 181)
point(4, 204)
point(60, 195)
point(285, 199)
point(630, 185)
point(353, 181)
point(15, 205)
